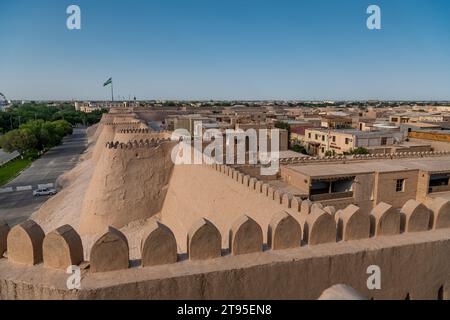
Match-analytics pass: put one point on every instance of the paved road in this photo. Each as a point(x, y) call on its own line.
point(5, 157)
point(17, 206)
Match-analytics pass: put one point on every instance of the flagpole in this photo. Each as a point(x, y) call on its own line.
point(112, 91)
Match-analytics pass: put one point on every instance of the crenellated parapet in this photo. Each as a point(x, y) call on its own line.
point(136, 130)
point(283, 198)
point(125, 123)
point(314, 225)
point(129, 177)
point(135, 144)
point(142, 131)
point(346, 159)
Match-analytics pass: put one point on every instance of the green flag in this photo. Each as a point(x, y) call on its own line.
point(108, 82)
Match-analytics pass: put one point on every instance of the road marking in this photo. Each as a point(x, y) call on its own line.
point(6, 190)
point(24, 188)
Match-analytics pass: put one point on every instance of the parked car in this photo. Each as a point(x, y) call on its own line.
point(44, 192)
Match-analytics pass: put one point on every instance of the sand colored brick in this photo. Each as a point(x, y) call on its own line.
point(159, 246)
point(284, 232)
point(252, 183)
point(352, 224)
point(296, 204)
point(110, 252)
point(246, 180)
point(204, 241)
point(305, 207)
point(416, 217)
point(385, 220)
point(319, 228)
point(265, 189)
point(245, 236)
point(62, 248)
point(441, 213)
point(24, 243)
point(286, 200)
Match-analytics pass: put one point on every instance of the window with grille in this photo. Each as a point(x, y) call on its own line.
point(400, 185)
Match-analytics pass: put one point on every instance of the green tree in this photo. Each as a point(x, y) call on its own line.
point(22, 141)
point(360, 150)
point(298, 148)
point(330, 153)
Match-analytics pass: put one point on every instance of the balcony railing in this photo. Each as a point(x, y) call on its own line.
point(331, 196)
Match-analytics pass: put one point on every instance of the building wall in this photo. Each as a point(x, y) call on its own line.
point(385, 187)
point(435, 145)
point(422, 186)
point(296, 179)
point(342, 142)
point(363, 191)
point(434, 136)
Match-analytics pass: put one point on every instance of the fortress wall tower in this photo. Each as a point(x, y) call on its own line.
point(109, 125)
point(129, 183)
point(132, 134)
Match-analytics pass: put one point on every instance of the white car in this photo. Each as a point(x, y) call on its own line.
point(44, 192)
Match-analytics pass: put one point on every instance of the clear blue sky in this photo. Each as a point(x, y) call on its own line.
point(226, 49)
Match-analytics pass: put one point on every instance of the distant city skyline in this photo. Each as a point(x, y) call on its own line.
point(226, 50)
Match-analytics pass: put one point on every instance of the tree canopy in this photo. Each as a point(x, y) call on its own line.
point(35, 136)
point(16, 115)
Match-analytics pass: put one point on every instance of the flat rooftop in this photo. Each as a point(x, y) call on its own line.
point(355, 132)
point(434, 165)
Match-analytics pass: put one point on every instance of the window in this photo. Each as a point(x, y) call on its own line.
point(323, 138)
point(334, 138)
point(439, 180)
point(323, 150)
point(309, 135)
point(317, 137)
point(383, 141)
point(400, 185)
point(347, 140)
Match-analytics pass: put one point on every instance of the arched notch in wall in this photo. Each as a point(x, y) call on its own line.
point(296, 204)
point(352, 224)
point(286, 200)
point(110, 252)
point(441, 213)
point(265, 189)
point(252, 183)
point(284, 232)
point(415, 217)
point(158, 246)
point(259, 186)
point(384, 220)
point(204, 241)
point(278, 196)
point(4, 230)
point(305, 207)
point(246, 180)
point(62, 248)
point(271, 192)
point(24, 243)
point(319, 228)
point(245, 236)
